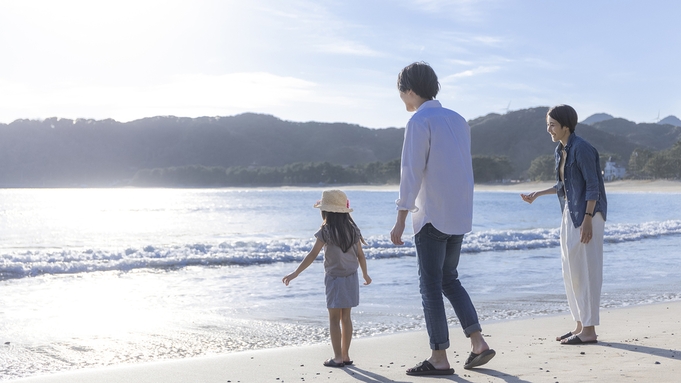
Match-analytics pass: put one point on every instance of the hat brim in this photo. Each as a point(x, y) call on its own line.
point(332, 209)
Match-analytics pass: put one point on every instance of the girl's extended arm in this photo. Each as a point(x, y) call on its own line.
point(363, 263)
point(307, 261)
point(529, 198)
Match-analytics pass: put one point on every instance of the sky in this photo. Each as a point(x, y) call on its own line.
point(335, 60)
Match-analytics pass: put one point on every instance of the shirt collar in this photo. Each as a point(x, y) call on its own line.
point(430, 104)
point(569, 143)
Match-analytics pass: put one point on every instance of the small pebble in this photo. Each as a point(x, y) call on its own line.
point(657, 363)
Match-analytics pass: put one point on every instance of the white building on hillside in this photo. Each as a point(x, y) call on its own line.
point(612, 171)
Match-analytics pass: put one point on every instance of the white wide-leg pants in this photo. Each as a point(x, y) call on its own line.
point(582, 268)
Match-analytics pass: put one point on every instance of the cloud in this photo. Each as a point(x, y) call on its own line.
point(469, 11)
point(322, 27)
point(348, 48)
point(471, 72)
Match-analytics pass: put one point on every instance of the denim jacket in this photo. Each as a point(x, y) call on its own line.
point(583, 179)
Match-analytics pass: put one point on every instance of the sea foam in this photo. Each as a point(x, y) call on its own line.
point(257, 252)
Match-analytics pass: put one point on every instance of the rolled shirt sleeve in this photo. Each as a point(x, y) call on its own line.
point(587, 160)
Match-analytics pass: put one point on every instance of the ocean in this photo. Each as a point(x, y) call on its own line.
point(97, 277)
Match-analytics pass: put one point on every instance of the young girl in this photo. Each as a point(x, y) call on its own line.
point(342, 242)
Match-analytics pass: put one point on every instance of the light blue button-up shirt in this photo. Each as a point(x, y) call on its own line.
point(583, 179)
point(436, 178)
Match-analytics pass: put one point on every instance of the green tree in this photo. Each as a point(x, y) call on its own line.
point(656, 166)
point(665, 164)
point(542, 168)
point(491, 168)
point(637, 162)
point(674, 157)
point(379, 172)
point(292, 174)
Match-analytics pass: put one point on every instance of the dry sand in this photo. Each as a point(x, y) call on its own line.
point(636, 344)
point(626, 186)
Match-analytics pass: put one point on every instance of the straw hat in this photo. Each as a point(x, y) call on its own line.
point(334, 201)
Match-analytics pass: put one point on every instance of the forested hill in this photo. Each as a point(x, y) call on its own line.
point(63, 152)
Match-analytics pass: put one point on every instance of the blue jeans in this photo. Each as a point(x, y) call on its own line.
point(438, 257)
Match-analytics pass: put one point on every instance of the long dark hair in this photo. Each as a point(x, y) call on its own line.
point(342, 229)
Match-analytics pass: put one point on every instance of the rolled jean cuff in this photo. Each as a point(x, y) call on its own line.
point(440, 346)
point(472, 329)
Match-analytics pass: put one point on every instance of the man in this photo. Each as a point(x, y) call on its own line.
point(436, 185)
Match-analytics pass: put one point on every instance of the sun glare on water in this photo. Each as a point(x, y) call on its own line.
point(100, 218)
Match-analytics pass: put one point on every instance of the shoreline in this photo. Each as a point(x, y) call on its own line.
point(623, 186)
point(637, 343)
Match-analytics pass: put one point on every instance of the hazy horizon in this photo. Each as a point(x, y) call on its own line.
point(329, 61)
point(581, 119)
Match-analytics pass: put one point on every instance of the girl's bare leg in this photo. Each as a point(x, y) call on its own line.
point(335, 316)
point(346, 324)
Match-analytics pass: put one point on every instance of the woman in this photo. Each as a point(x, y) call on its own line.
point(581, 193)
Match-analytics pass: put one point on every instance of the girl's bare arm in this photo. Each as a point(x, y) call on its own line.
point(363, 264)
point(307, 261)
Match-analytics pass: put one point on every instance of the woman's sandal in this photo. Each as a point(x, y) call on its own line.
point(577, 340)
point(559, 338)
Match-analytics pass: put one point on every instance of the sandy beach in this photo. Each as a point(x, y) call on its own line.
point(625, 186)
point(636, 344)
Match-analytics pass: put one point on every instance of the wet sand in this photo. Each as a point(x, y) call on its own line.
point(636, 344)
